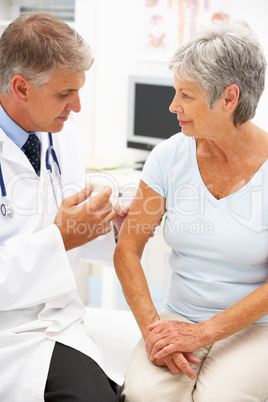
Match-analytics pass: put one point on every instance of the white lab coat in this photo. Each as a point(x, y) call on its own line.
point(38, 300)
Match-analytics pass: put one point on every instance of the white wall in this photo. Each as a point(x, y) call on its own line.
point(112, 29)
point(115, 48)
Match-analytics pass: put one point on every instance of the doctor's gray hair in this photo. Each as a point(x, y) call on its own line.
point(36, 45)
point(220, 55)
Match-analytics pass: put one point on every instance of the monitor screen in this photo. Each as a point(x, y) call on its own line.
point(150, 120)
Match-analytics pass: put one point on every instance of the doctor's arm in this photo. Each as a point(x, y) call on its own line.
point(34, 268)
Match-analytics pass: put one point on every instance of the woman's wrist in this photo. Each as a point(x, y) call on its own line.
point(209, 333)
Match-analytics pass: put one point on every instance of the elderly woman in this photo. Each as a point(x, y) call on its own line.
point(210, 342)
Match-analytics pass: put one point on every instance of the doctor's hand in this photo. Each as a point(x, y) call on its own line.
point(81, 219)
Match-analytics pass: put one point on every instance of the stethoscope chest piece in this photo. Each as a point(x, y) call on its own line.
point(7, 209)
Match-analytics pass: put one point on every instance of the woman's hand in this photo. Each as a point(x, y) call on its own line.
point(168, 337)
point(178, 363)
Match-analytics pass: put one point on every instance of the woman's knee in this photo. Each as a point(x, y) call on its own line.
point(134, 391)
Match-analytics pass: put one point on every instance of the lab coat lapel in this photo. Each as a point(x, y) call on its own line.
point(12, 153)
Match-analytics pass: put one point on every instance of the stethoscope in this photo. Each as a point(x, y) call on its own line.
point(7, 208)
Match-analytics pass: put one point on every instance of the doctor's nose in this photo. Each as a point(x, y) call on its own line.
point(74, 105)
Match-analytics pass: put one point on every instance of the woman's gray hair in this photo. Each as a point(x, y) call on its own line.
point(220, 55)
point(36, 45)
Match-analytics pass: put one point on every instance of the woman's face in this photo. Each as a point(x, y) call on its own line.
point(193, 113)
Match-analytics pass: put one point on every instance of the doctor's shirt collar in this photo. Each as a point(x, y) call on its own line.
point(12, 130)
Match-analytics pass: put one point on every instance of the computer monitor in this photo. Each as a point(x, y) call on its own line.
point(150, 120)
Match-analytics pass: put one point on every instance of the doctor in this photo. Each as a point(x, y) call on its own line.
point(46, 352)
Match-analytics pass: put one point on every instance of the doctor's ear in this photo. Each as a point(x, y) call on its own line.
point(20, 87)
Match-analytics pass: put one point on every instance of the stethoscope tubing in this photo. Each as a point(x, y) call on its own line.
point(53, 154)
point(2, 183)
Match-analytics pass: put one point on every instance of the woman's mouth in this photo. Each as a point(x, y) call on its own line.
point(183, 122)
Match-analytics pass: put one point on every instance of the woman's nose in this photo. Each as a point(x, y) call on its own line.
point(175, 106)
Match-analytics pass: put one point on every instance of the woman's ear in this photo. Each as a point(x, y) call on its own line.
point(20, 87)
point(231, 96)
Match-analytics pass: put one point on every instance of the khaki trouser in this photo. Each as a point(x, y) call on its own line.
point(234, 369)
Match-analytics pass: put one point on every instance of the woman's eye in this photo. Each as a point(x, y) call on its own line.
point(64, 95)
point(185, 96)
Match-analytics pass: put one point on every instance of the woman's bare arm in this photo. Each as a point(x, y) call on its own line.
point(145, 213)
